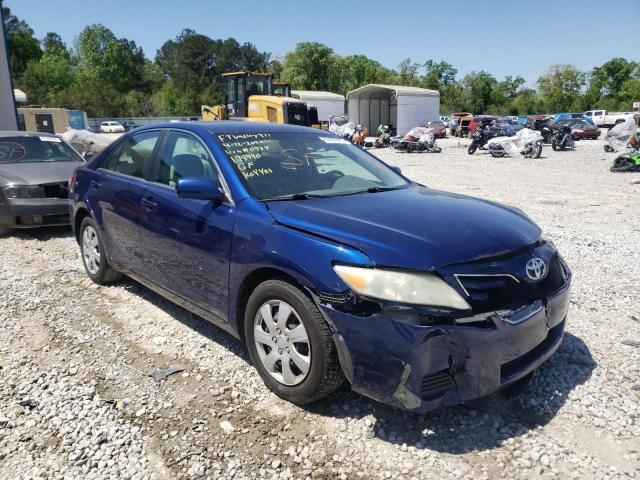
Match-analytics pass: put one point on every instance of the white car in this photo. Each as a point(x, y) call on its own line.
point(111, 127)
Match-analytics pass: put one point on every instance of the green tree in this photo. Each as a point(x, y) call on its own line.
point(408, 73)
point(311, 66)
point(477, 91)
point(438, 75)
point(560, 88)
point(23, 46)
point(100, 56)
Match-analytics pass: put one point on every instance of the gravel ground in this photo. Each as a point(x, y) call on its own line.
point(77, 401)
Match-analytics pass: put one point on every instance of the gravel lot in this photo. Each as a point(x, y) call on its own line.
point(77, 401)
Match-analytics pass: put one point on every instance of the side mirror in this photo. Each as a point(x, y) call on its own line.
point(199, 189)
point(396, 169)
point(87, 155)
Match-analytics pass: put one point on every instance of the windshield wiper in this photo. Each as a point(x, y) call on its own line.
point(376, 189)
point(295, 196)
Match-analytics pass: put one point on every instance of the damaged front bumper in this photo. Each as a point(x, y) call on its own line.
point(421, 368)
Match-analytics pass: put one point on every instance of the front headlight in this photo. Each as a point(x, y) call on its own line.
point(401, 286)
point(23, 191)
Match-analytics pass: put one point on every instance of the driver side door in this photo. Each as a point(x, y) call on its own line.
point(186, 243)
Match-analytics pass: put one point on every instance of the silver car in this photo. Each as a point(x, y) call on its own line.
point(34, 173)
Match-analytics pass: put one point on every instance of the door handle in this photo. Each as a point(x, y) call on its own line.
point(94, 184)
point(148, 203)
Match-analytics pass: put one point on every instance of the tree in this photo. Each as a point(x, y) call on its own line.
point(438, 75)
point(477, 91)
point(408, 72)
point(560, 88)
point(310, 67)
point(43, 79)
point(23, 46)
point(99, 56)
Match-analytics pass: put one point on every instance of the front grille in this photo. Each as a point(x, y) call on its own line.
point(490, 292)
point(436, 385)
point(297, 114)
point(56, 190)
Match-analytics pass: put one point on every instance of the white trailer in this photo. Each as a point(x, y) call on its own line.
point(327, 103)
point(402, 107)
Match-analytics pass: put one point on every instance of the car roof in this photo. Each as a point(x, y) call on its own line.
point(223, 127)
point(24, 134)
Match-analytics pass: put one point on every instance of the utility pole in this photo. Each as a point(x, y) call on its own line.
point(8, 113)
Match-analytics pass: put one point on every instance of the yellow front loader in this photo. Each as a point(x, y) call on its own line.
point(251, 97)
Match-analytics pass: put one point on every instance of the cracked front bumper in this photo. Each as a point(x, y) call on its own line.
point(420, 368)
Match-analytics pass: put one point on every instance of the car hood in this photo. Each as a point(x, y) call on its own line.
point(416, 227)
point(36, 173)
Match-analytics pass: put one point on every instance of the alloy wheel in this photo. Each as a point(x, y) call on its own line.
point(91, 249)
point(282, 342)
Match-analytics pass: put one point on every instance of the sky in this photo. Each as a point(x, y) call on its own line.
point(517, 37)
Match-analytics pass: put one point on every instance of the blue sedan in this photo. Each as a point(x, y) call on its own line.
point(326, 262)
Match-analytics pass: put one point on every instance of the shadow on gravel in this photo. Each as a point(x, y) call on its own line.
point(194, 322)
point(42, 233)
point(483, 424)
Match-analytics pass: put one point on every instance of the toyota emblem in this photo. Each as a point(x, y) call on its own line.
point(536, 268)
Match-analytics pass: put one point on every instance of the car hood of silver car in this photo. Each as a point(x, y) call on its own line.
point(36, 173)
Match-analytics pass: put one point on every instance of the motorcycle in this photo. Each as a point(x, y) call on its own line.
point(479, 138)
point(622, 137)
point(418, 139)
point(627, 162)
point(384, 134)
point(342, 127)
point(543, 127)
point(562, 139)
point(526, 142)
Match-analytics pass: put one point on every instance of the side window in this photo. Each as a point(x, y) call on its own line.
point(184, 155)
point(133, 155)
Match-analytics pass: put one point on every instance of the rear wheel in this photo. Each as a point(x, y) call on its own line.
point(5, 230)
point(497, 153)
point(290, 344)
point(94, 257)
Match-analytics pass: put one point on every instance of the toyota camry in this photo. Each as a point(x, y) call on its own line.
point(326, 262)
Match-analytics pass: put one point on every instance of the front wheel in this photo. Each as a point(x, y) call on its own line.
point(290, 344)
point(94, 257)
point(472, 148)
point(497, 153)
point(555, 145)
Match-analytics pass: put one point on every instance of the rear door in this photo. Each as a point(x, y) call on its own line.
point(116, 196)
point(187, 243)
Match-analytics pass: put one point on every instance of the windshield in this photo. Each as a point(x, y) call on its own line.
point(257, 85)
point(35, 149)
point(277, 166)
point(436, 123)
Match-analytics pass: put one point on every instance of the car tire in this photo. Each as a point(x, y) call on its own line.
point(5, 230)
point(93, 254)
point(324, 374)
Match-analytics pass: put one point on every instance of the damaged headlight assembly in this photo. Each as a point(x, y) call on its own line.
point(401, 286)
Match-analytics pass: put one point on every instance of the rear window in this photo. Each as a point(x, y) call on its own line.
point(36, 149)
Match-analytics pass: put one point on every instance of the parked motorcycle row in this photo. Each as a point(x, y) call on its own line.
point(492, 136)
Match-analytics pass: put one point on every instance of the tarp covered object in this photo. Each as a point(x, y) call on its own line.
point(86, 141)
